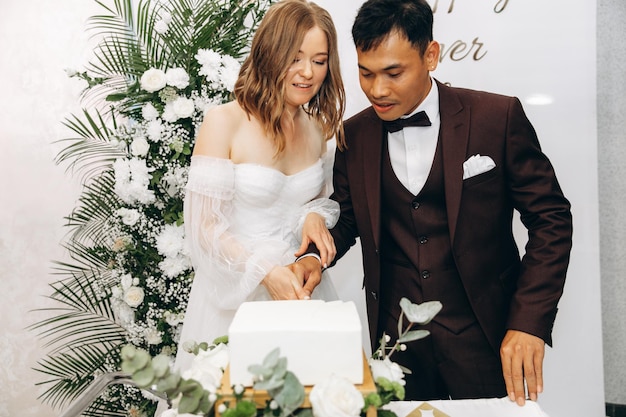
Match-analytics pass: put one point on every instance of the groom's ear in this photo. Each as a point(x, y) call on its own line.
point(431, 55)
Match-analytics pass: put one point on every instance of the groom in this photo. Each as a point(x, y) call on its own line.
point(432, 201)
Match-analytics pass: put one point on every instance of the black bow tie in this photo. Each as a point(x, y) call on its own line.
point(418, 119)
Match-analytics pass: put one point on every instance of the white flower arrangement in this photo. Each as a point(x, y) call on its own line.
point(159, 66)
point(197, 390)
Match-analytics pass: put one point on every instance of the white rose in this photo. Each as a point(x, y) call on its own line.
point(172, 319)
point(129, 216)
point(208, 367)
point(387, 369)
point(216, 357)
point(139, 146)
point(153, 336)
point(177, 77)
point(336, 397)
point(183, 107)
point(153, 80)
point(133, 296)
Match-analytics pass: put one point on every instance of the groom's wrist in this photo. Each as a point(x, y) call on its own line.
point(311, 255)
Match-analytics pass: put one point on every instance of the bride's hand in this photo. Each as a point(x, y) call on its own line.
point(314, 231)
point(283, 284)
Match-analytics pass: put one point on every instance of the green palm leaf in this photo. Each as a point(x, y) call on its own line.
point(72, 371)
point(85, 318)
point(94, 209)
point(90, 153)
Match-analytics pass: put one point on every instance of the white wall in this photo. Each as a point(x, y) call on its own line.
point(38, 39)
point(534, 47)
point(612, 171)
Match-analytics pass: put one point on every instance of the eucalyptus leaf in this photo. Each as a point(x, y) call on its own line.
point(291, 396)
point(413, 335)
point(269, 384)
point(169, 384)
point(188, 403)
point(420, 313)
point(161, 365)
point(272, 358)
point(144, 377)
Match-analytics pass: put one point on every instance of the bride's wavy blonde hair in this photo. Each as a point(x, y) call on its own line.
point(260, 87)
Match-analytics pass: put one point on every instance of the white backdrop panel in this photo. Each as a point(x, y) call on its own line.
point(544, 53)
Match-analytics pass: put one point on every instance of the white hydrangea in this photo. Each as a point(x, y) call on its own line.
point(149, 112)
point(173, 266)
point(210, 62)
point(229, 72)
point(132, 177)
point(175, 179)
point(170, 241)
point(154, 130)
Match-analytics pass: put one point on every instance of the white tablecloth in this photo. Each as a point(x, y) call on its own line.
point(493, 407)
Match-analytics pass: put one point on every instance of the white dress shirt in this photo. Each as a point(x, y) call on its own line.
point(412, 149)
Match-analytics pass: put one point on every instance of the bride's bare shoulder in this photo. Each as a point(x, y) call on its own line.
point(219, 126)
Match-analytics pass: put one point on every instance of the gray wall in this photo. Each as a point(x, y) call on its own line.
point(611, 71)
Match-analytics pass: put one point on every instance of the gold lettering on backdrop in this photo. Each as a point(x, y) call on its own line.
point(460, 50)
point(450, 7)
point(497, 8)
point(500, 6)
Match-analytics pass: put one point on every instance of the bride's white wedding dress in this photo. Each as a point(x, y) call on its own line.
point(241, 220)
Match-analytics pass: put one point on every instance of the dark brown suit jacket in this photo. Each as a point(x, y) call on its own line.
point(505, 292)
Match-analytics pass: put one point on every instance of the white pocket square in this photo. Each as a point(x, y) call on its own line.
point(477, 164)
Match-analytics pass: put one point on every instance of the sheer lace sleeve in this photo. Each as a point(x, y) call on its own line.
point(232, 264)
point(323, 205)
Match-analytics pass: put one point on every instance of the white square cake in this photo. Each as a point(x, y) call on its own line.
point(318, 339)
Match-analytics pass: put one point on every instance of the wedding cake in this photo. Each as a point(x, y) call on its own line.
point(318, 338)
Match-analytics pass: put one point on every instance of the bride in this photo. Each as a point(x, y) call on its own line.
point(259, 168)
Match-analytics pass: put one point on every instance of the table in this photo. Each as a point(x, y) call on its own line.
point(493, 407)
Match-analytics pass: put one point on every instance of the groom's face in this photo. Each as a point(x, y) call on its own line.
point(395, 77)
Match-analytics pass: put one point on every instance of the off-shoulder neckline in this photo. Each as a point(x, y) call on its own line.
point(253, 164)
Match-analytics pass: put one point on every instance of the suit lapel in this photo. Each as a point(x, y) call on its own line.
point(454, 139)
point(371, 157)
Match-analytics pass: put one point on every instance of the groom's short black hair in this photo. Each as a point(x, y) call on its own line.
point(376, 19)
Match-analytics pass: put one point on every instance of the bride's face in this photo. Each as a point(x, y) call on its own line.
point(308, 70)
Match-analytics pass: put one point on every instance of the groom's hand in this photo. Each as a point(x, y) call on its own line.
point(309, 271)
